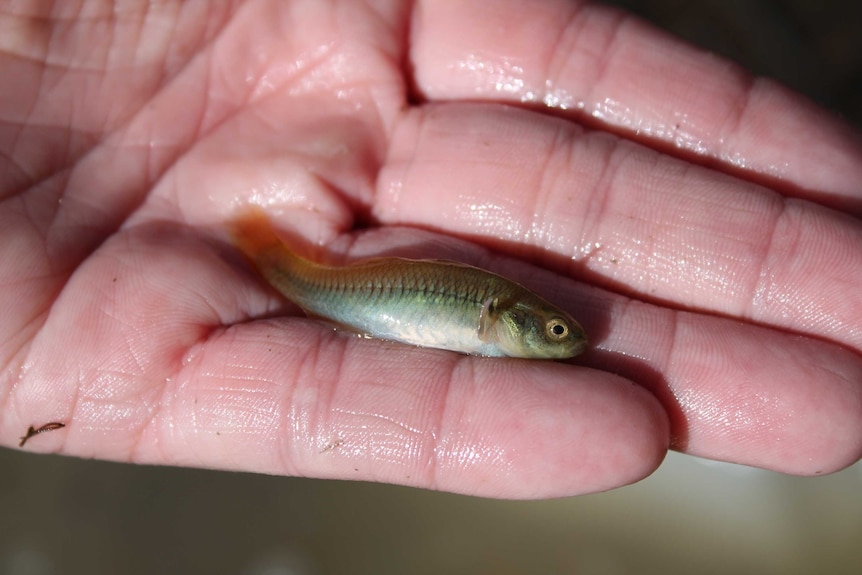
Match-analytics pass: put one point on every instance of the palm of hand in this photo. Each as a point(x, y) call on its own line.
point(129, 317)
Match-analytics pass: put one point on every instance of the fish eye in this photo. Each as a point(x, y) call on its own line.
point(556, 329)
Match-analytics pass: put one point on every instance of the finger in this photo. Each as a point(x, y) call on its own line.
point(600, 65)
point(625, 217)
point(733, 391)
point(321, 403)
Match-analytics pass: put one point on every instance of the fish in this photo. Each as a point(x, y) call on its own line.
point(429, 303)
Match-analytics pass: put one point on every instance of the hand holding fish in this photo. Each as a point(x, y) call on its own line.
point(699, 228)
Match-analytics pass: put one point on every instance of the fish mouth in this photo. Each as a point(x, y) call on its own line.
point(580, 347)
point(562, 352)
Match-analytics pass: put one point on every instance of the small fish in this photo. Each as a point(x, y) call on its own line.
point(429, 303)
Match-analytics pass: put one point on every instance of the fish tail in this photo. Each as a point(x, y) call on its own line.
point(257, 239)
point(254, 235)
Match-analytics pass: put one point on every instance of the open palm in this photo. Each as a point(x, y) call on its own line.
point(703, 226)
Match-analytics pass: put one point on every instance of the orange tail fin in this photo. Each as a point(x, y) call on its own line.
point(253, 233)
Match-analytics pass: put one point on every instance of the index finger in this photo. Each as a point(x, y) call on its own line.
point(602, 66)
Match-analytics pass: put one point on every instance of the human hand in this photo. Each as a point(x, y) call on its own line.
point(704, 229)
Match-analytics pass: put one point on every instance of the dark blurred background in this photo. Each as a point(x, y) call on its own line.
point(63, 515)
point(813, 47)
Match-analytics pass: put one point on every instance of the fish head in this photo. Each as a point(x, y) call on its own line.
point(533, 328)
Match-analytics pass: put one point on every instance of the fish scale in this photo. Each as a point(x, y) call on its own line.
point(431, 303)
point(387, 299)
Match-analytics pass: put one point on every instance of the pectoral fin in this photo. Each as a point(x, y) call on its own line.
point(488, 317)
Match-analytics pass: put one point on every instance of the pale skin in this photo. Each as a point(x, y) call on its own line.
point(704, 229)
